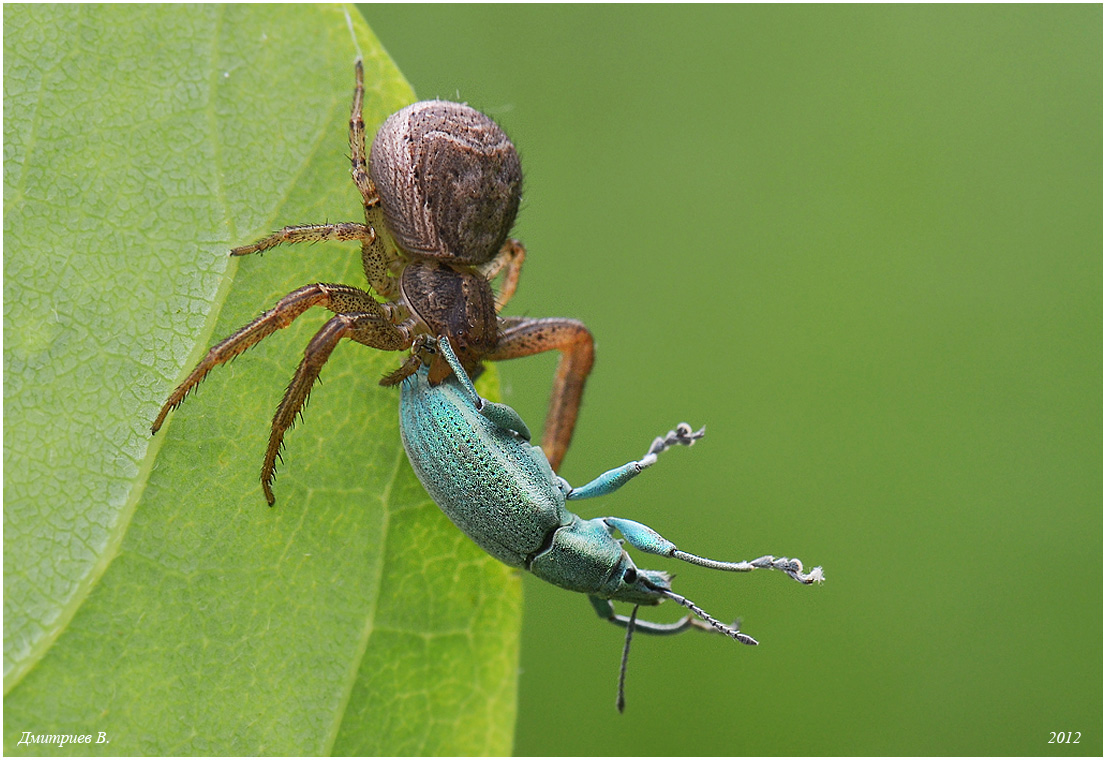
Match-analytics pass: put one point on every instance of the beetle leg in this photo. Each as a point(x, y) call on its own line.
point(509, 261)
point(612, 480)
point(606, 611)
point(371, 329)
point(502, 415)
point(648, 540)
point(336, 298)
point(519, 337)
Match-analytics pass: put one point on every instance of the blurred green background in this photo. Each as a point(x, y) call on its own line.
point(863, 245)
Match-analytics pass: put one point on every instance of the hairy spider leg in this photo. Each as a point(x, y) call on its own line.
point(523, 336)
point(367, 320)
point(368, 328)
point(508, 261)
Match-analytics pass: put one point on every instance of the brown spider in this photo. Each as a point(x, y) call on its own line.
point(441, 189)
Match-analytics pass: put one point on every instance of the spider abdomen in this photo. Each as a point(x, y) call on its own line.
point(449, 181)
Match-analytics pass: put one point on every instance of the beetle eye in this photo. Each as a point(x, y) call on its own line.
point(630, 576)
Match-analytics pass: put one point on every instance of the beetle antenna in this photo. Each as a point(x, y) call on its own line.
point(719, 626)
point(792, 567)
point(621, 701)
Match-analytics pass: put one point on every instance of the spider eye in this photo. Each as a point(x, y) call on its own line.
point(630, 576)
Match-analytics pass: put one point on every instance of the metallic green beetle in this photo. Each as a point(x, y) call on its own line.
point(475, 459)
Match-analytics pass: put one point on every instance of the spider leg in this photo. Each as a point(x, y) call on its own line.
point(376, 255)
point(508, 260)
point(336, 298)
point(520, 336)
point(309, 233)
point(358, 155)
point(370, 329)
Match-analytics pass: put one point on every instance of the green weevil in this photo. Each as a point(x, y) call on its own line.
point(475, 459)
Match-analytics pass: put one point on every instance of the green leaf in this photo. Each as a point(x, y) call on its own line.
point(149, 593)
